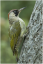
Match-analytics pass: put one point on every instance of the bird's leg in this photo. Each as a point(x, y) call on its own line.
point(26, 33)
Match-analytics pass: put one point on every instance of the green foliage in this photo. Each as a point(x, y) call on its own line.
point(6, 6)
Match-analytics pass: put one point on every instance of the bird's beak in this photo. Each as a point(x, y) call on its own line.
point(21, 9)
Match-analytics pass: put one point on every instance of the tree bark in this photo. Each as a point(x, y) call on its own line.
point(31, 51)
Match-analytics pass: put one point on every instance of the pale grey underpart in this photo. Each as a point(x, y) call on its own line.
point(32, 47)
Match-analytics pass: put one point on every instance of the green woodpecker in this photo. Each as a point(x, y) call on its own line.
point(16, 29)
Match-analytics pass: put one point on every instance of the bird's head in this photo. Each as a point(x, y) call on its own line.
point(14, 14)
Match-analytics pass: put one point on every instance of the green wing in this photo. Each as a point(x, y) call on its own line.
point(14, 33)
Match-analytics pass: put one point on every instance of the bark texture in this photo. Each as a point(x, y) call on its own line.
point(31, 51)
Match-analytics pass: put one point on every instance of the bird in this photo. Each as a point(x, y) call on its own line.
point(17, 30)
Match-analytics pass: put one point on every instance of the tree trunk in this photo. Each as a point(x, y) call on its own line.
point(31, 51)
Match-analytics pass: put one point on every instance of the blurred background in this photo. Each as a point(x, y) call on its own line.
point(6, 6)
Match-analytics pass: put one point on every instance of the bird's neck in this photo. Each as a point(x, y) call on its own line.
point(14, 19)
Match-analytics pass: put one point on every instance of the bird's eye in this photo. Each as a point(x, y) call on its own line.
point(15, 12)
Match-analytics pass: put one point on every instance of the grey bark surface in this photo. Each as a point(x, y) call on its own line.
point(31, 51)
